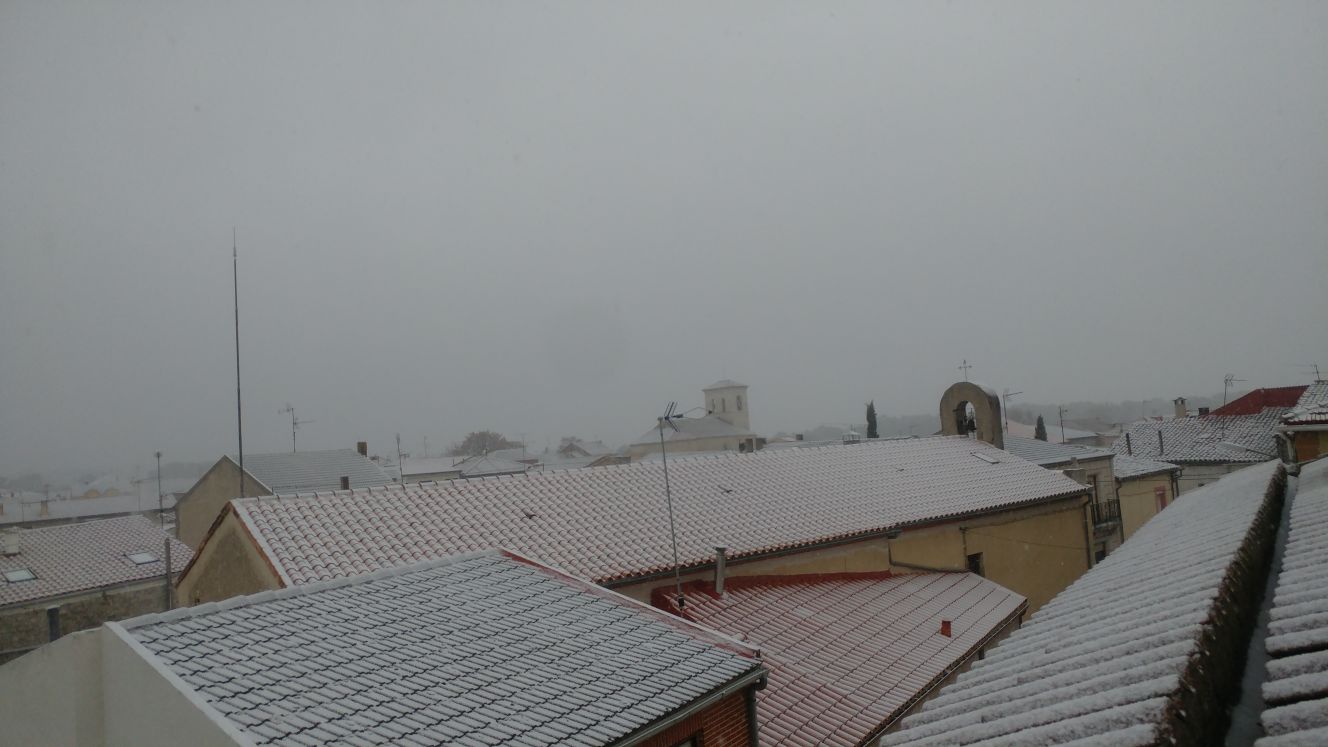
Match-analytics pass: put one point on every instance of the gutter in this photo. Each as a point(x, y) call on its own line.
point(754, 680)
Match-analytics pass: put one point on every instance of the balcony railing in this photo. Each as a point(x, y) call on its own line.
point(1106, 512)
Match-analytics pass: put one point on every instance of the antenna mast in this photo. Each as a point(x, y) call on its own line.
point(668, 497)
point(1227, 381)
point(239, 411)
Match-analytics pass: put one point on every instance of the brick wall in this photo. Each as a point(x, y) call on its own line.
point(723, 724)
point(24, 628)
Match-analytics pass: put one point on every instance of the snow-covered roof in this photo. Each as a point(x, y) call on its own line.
point(71, 558)
point(1053, 431)
point(723, 384)
point(1205, 439)
point(611, 523)
point(25, 508)
point(708, 426)
point(1048, 454)
point(1295, 692)
point(412, 466)
point(1114, 657)
point(849, 652)
point(485, 465)
point(1311, 408)
point(313, 470)
point(482, 649)
point(1126, 467)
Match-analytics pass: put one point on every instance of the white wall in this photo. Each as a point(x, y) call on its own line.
point(52, 696)
point(145, 704)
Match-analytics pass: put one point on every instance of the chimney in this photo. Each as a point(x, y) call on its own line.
point(45, 508)
point(1203, 411)
point(10, 543)
point(721, 565)
point(362, 447)
point(945, 628)
point(1179, 402)
point(345, 483)
point(798, 437)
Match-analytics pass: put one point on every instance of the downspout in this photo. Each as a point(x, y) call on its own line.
point(1088, 532)
point(754, 729)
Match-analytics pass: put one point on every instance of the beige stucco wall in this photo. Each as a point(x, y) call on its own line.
point(24, 627)
point(228, 565)
point(199, 507)
point(1138, 500)
point(52, 696)
point(143, 706)
point(1036, 552)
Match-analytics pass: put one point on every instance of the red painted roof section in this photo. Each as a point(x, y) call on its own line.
point(848, 652)
point(1259, 399)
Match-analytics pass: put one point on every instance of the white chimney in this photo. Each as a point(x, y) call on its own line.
point(10, 543)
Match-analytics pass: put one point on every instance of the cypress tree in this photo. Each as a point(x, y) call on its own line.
point(871, 420)
point(1040, 432)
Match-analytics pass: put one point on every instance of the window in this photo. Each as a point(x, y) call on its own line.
point(22, 574)
point(141, 558)
point(1092, 483)
point(712, 404)
point(1100, 554)
point(723, 404)
point(975, 563)
point(739, 403)
point(1160, 493)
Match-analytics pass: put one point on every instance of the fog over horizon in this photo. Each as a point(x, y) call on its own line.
point(551, 220)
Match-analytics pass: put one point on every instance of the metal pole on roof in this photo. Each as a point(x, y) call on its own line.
point(668, 497)
point(161, 504)
point(239, 411)
point(1060, 413)
point(1005, 408)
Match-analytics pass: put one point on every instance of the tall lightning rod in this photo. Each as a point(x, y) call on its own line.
point(239, 411)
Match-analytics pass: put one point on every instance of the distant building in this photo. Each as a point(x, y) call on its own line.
point(1145, 649)
point(271, 474)
point(726, 426)
point(1305, 426)
point(61, 579)
point(1092, 467)
point(1144, 488)
point(1212, 444)
point(931, 504)
point(850, 654)
point(452, 468)
point(482, 649)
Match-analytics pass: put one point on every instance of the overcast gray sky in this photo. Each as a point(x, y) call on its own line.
point(553, 218)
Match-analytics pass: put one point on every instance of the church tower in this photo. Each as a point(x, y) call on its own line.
point(727, 400)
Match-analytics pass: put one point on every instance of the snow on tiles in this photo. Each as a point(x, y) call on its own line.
point(1151, 632)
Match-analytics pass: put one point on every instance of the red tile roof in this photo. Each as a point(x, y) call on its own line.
point(70, 558)
point(849, 653)
point(1260, 399)
point(610, 523)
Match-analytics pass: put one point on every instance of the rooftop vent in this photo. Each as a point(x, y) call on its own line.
point(141, 558)
point(989, 459)
point(345, 483)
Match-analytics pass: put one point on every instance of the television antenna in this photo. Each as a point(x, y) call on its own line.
point(671, 414)
point(1005, 407)
point(1227, 381)
point(295, 423)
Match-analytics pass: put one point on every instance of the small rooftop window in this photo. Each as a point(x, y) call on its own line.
point(986, 458)
point(22, 574)
point(141, 558)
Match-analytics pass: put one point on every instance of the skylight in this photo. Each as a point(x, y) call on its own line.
point(22, 574)
point(986, 458)
point(141, 558)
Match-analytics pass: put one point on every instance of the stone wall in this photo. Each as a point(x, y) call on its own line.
point(24, 628)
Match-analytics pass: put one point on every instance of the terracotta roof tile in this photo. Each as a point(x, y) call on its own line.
point(846, 652)
point(610, 523)
point(89, 555)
